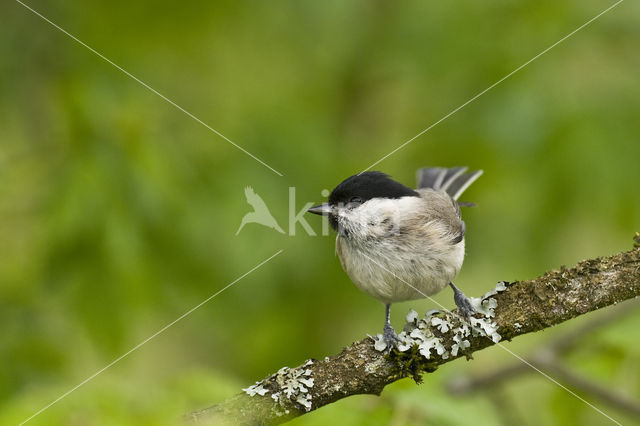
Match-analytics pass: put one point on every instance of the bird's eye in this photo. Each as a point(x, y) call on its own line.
point(357, 200)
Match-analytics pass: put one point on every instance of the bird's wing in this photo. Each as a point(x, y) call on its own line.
point(441, 208)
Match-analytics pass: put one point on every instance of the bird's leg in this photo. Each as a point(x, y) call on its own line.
point(389, 334)
point(465, 307)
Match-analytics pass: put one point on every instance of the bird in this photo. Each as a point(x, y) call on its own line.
point(396, 243)
point(260, 213)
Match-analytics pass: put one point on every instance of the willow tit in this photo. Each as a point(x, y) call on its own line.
point(399, 244)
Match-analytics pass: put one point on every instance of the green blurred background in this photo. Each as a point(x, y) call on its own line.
point(118, 212)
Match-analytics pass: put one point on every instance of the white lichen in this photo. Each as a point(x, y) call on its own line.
point(500, 287)
point(378, 342)
point(425, 341)
point(431, 342)
point(412, 316)
point(442, 324)
point(486, 306)
point(484, 327)
point(295, 384)
point(460, 341)
point(292, 384)
point(256, 389)
point(420, 331)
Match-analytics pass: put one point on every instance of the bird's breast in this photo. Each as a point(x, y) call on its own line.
point(393, 270)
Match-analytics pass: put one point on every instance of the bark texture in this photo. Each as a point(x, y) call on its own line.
point(520, 307)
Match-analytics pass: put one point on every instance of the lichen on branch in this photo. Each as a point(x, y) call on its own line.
point(511, 309)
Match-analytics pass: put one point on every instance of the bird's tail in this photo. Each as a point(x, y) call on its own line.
point(454, 180)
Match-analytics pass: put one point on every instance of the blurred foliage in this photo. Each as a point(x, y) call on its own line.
point(118, 212)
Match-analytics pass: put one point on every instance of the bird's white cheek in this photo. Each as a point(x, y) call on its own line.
point(348, 223)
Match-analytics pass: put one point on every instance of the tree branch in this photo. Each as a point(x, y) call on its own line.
point(511, 310)
point(549, 358)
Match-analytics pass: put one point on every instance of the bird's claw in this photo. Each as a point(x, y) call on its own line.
point(390, 338)
point(465, 307)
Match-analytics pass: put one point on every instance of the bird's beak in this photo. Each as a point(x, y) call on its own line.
point(323, 209)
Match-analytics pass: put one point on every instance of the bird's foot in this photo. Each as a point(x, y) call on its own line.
point(465, 307)
point(390, 337)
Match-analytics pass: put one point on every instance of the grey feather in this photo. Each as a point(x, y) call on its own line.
point(462, 183)
point(451, 176)
point(431, 177)
point(454, 180)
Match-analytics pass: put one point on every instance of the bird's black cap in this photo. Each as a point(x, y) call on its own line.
point(368, 185)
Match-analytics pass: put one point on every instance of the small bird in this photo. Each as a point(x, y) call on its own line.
point(260, 213)
point(397, 243)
